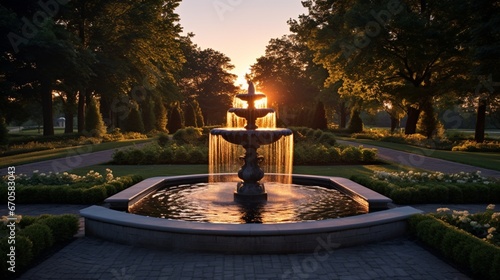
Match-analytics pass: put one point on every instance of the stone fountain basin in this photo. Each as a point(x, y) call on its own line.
point(240, 136)
point(121, 227)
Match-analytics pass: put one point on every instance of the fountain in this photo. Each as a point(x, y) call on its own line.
point(117, 223)
point(251, 138)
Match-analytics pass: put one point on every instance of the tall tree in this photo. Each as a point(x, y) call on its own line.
point(289, 77)
point(413, 50)
point(205, 77)
point(485, 52)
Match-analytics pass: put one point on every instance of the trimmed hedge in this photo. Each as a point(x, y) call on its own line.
point(35, 236)
point(432, 192)
point(464, 249)
point(78, 193)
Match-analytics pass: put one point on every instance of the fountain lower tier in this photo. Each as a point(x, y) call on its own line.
point(121, 227)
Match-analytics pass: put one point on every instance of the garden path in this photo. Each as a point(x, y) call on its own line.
point(418, 159)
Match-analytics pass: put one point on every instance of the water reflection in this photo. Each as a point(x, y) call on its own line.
point(214, 203)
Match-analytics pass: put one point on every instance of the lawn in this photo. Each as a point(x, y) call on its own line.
point(62, 152)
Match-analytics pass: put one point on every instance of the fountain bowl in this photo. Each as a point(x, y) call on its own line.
point(113, 223)
point(241, 136)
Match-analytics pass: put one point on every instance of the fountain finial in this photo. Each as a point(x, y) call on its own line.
point(251, 88)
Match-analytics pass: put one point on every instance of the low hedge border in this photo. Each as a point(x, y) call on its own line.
point(69, 194)
point(433, 192)
point(462, 248)
point(35, 236)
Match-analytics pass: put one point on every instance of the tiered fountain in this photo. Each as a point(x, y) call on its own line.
point(251, 138)
point(292, 223)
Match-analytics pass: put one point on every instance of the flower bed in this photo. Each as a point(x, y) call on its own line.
point(434, 187)
point(67, 188)
point(459, 237)
point(34, 237)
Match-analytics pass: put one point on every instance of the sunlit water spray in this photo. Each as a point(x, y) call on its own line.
point(277, 157)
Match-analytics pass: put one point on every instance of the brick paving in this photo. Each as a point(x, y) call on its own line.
point(90, 258)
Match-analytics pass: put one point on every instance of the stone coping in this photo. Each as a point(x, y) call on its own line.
point(124, 199)
point(109, 216)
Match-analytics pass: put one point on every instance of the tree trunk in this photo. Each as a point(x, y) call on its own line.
point(412, 120)
point(81, 111)
point(344, 113)
point(480, 122)
point(47, 110)
point(69, 112)
point(394, 123)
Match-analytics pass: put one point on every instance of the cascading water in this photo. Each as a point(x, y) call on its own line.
point(276, 157)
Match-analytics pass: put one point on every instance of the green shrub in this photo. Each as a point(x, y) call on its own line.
point(40, 236)
point(163, 139)
point(94, 125)
point(188, 135)
point(196, 156)
point(63, 227)
point(24, 255)
point(457, 245)
point(26, 221)
point(94, 195)
point(351, 155)
point(369, 155)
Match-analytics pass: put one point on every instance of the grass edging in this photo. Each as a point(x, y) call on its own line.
point(460, 247)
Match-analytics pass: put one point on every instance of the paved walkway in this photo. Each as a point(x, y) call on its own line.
point(75, 158)
point(419, 159)
point(90, 258)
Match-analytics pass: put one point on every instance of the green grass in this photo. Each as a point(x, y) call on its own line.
point(147, 171)
point(485, 160)
point(37, 132)
point(63, 152)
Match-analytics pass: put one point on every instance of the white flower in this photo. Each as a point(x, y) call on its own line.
point(490, 207)
point(473, 223)
point(486, 225)
point(439, 210)
point(491, 230)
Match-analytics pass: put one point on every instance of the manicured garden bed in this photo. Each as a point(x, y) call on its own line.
point(29, 238)
point(67, 188)
point(432, 187)
point(469, 241)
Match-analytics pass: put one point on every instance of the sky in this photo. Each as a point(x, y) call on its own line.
point(240, 29)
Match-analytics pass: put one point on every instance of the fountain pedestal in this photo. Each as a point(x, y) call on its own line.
point(251, 138)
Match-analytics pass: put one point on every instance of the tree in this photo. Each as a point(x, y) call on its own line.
point(148, 114)
point(40, 53)
point(94, 125)
point(205, 77)
point(485, 52)
point(134, 122)
point(161, 115)
point(289, 77)
point(414, 51)
point(175, 120)
point(319, 119)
